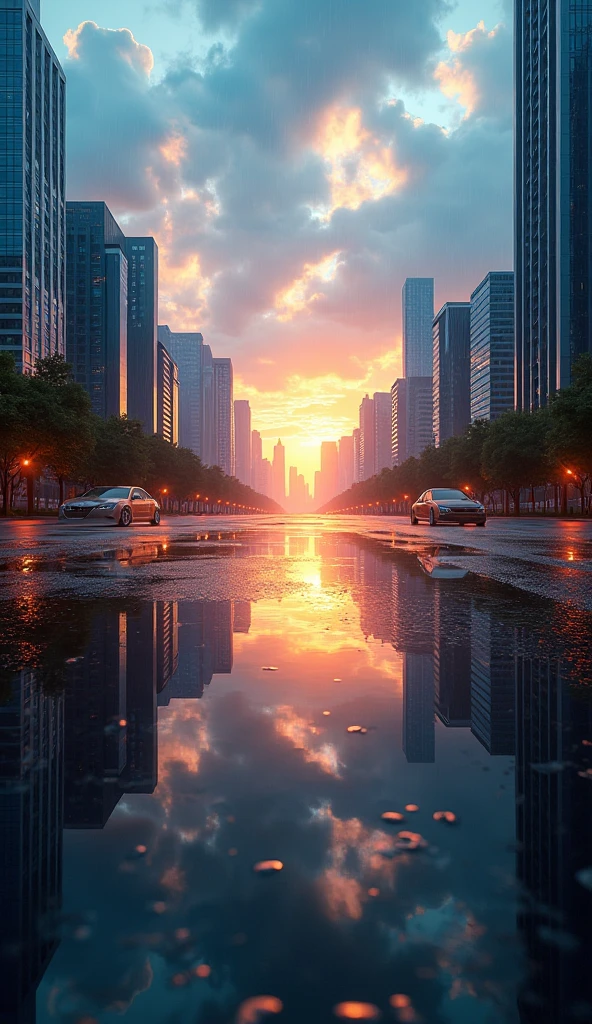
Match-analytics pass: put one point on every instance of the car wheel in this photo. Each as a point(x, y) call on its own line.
point(432, 518)
point(125, 519)
point(414, 519)
point(481, 524)
point(156, 517)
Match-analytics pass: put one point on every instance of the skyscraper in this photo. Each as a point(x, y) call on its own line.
point(33, 219)
point(186, 350)
point(224, 415)
point(452, 371)
point(346, 463)
point(399, 422)
point(357, 436)
point(382, 430)
point(256, 461)
point(266, 486)
point(142, 331)
point(367, 439)
point(329, 483)
point(242, 441)
point(167, 390)
point(418, 317)
point(279, 473)
point(293, 486)
point(97, 308)
point(492, 347)
point(553, 194)
point(420, 419)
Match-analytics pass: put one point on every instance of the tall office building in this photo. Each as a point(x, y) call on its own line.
point(293, 485)
point(266, 486)
point(412, 418)
point(382, 430)
point(399, 422)
point(224, 415)
point(553, 194)
point(452, 656)
point(346, 463)
point(452, 371)
point(242, 441)
point(142, 332)
point(32, 190)
point(279, 473)
point(256, 461)
point(357, 436)
point(186, 350)
point(329, 471)
point(492, 347)
point(97, 307)
point(167, 392)
point(367, 438)
point(493, 701)
point(419, 734)
point(418, 317)
point(141, 768)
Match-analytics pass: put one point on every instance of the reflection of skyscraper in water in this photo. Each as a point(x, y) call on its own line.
point(452, 653)
point(205, 646)
point(95, 742)
point(31, 823)
point(242, 617)
point(376, 610)
point(419, 734)
point(142, 736)
point(167, 642)
point(413, 625)
point(492, 682)
point(554, 834)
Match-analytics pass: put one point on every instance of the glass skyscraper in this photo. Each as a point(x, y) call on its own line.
point(452, 371)
point(186, 349)
point(553, 197)
point(418, 317)
point(492, 347)
point(142, 327)
point(97, 284)
point(32, 187)
point(224, 414)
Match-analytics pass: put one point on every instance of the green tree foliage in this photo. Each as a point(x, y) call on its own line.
point(120, 454)
point(570, 434)
point(70, 433)
point(14, 423)
point(515, 453)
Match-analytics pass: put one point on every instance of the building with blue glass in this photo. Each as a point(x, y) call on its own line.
point(492, 347)
point(553, 194)
point(186, 349)
point(451, 371)
point(97, 310)
point(32, 187)
point(418, 317)
point(142, 332)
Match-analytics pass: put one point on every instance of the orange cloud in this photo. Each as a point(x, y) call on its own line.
point(359, 167)
point(299, 295)
point(456, 81)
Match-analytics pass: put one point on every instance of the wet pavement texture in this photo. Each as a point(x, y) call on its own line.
point(298, 770)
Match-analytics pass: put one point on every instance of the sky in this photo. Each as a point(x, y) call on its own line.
point(296, 160)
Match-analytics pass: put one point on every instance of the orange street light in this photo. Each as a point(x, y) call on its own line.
point(164, 490)
point(569, 471)
point(26, 462)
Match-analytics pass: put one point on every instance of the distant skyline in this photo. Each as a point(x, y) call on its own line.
point(288, 219)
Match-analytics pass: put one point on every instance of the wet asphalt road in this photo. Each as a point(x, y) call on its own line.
point(545, 557)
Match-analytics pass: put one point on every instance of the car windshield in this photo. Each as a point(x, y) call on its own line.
point(450, 496)
point(107, 492)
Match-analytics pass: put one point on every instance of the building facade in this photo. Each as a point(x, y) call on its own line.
point(346, 463)
point(142, 331)
point(279, 473)
point(357, 436)
point(329, 482)
point(553, 194)
point(186, 349)
point(367, 438)
point(399, 422)
point(32, 188)
point(167, 396)
point(97, 308)
point(451, 387)
point(492, 347)
point(418, 317)
point(420, 415)
point(382, 430)
point(224, 415)
point(242, 441)
point(256, 462)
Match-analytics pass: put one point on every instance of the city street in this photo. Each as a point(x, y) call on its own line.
point(545, 557)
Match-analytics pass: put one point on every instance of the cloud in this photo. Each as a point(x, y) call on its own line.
point(290, 189)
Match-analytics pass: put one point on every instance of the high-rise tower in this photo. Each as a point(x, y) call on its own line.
point(32, 197)
point(553, 194)
point(418, 316)
point(242, 441)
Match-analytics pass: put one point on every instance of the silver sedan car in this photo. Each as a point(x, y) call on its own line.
point(118, 506)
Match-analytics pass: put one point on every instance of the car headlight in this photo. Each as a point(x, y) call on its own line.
point(108, 504)
point(443, 508)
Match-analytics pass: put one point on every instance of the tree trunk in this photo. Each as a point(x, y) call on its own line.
point(556, 498)
point(5, 488)
point(61, 486)
point(506, 503)
point(516, 500)
point(30, 494)
point(532, 501)
point(564, 499)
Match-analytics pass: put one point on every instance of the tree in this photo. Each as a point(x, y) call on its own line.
point(570, 434)
point(13, 425)
point(515, 453)
point(466, 458)
point(70, 436)
point(120, 454)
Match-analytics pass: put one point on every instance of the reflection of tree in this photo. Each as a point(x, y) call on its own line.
point(41, 635)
